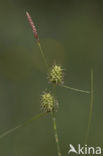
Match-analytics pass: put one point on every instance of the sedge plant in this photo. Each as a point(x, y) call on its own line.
point(48, 101)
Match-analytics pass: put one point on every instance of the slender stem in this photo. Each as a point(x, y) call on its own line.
point(56, 134)
point(91, 109)
point(42, 54)
point(21, 125)
point(75, 89)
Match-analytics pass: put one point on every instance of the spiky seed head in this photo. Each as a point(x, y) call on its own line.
point(56, 74)
point(48, 102)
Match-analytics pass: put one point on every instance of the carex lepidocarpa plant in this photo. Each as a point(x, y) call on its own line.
point(48, 100)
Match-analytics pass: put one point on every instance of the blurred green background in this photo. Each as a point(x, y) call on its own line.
point(71, 34)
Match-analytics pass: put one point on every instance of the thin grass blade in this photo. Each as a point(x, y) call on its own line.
point(75, 89)
point(21, 125)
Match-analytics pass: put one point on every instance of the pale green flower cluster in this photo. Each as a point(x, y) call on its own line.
point(47, 102)
point(56, 75)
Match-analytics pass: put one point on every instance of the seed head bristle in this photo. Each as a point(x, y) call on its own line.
point(32, 26)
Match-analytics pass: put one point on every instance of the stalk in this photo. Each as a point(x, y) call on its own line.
point(43, 56)
point(56, 134)
point(91, 109)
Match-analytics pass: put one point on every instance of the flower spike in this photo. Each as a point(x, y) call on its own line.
point(56, 74)
point(32, 26)
point(48, 102)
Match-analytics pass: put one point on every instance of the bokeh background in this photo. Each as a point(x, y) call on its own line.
point(71, 34)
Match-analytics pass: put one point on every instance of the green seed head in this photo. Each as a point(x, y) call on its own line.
point(56, 74)
point(48, 102)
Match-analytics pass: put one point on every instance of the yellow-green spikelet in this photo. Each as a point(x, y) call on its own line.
point(56, 74)
point(47, 102)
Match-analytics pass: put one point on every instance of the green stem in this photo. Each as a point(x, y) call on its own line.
point(56, 134)
point(43, 56)
point(21, 125)
point(75, 89)
point(91, 109)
